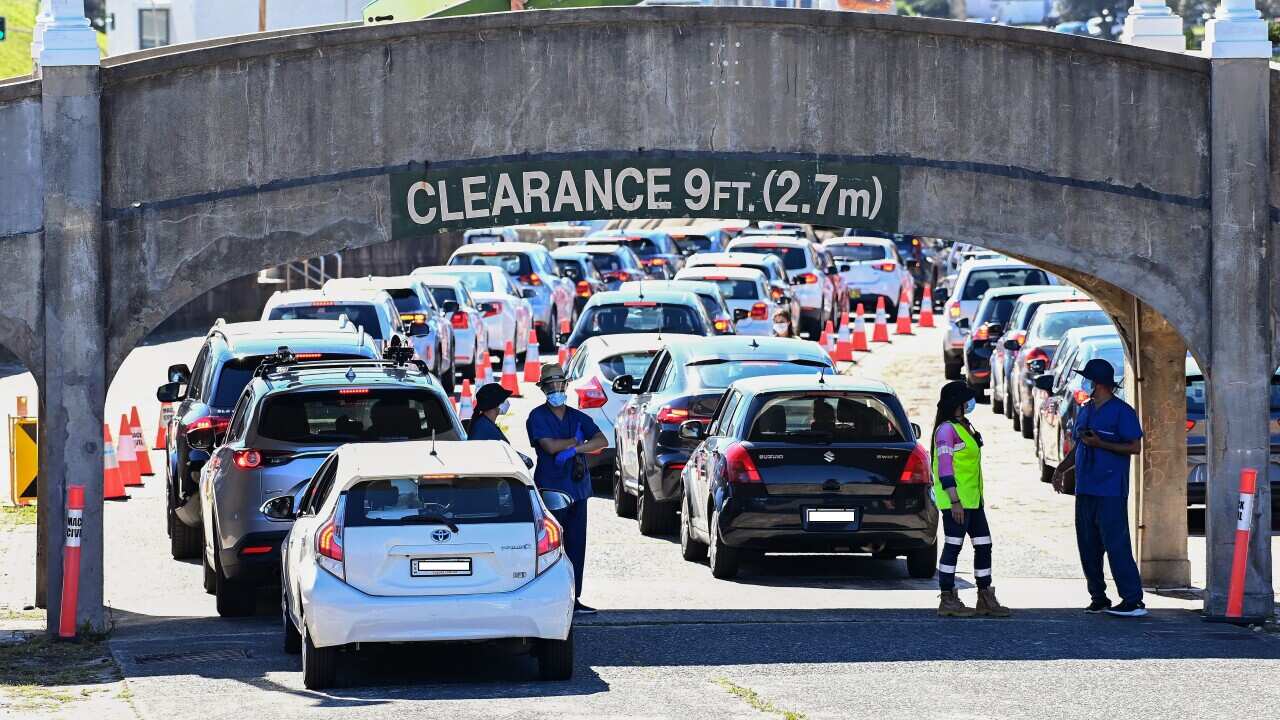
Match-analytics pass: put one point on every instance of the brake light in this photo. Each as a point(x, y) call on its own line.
point(329, 552)
point(721, 325)
point(916, 471)
point(621, 275)
point(886, 267)
point(640, 303)
point(1191, 425)
point(255, 550)
point(491, 309)
point(1035, 354)
point(714, 277)
point(460, 321)
point(982, 333)
point(584, 288)
point(549, 548)
point(216, 424)
point(307, 356)
point(591, 395)
point(670, 414)
point(954, 311)
point(739, 468)
point(247, 459)
point(531, 279)
point(808, 279)
point(775, 293)
point(413, 318)
point(1082, 397)
point(323, 303)
point(658, 261)
point(759, 311)
point(353, 391)
point(1019, 337)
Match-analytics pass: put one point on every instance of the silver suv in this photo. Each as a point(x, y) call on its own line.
point(287, 421)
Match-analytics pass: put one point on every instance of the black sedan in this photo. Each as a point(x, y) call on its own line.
point(794, 464)
point(684, 383)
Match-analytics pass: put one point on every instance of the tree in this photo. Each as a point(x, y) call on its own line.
point(1084, 10)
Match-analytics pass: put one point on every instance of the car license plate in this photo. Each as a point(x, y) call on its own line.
point(838, 516)
point(435, 567)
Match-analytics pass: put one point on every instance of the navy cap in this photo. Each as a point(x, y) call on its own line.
point(1100, 371)
point(491, 396)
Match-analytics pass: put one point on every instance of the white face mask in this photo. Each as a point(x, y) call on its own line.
point(504, 407)
point(781, 328)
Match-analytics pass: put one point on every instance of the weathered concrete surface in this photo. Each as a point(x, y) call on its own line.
point(1240, 367)
point(21, 220)
point(1018, 140)
point(74, 385)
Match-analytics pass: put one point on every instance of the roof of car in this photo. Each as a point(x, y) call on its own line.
point(629, 342)
point(761, 240)
point(1092, 332)
point(857, 240)
point(459, 269)
point(264, 337)
point(416, 458)
point(1065, 293)
point(994, 263)
point(598, 248)
point(482, 247)
point(1018, 290)
point(626, 232)
point(570, 253)
point(308, 375)
point(440, 280)
point(1057, 307)
point(737, 273)
point(809, 382)
point(393, 282)
point(348, 295)
point(616, 297)
point(693, 286)
point(746, 346)
point(741, 258)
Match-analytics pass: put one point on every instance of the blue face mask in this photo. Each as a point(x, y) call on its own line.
point(970, 406)
point(556, 399)
point(1087, 386)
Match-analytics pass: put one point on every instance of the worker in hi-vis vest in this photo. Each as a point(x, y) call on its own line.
point(957, 490)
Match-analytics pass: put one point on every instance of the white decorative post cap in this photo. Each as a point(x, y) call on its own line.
point(1151, 24)
point(64, 37)
point(1237, 30)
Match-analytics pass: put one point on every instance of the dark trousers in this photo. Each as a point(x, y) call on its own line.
point(975, 526)
point(574, 521)
point(1102, 526)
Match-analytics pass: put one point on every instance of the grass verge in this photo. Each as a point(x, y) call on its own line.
point(12, 516)
point(38, 673)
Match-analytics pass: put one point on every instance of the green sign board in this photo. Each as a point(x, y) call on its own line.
point(480, 194)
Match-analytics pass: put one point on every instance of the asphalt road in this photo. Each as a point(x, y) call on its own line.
point(824, 637)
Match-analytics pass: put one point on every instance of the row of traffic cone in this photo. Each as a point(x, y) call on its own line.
point(853, 340)
point(125, 461)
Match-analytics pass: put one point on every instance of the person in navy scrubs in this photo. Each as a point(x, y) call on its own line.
point(561, 436)
point(491, 401)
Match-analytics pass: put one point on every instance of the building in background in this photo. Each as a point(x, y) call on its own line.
point(141, 24)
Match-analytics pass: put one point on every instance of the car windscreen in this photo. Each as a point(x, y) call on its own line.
point(232, 380)
point(635, 364)
point(980, 281)
point(407, 301)
point(693, 243)
point(362, 314)
point(859, 253)
point(1055, 325)
point(825, 417)
point(721, 373)
point(710, 303)
point(793, 258)
point(512, 263)
point(642, 247)
point(354, 414)
point(429, 500)
point(1112, 354)
point(475, 281)
point(443, 295)
point(606, 262)
point(570, 269)
point(997, 311)
point(1197, 399)
point(733, 288)
point(640, 316)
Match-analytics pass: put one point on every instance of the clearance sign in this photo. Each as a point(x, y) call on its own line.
point(480, 194)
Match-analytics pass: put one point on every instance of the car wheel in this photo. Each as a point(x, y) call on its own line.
point(691, 549)
point(997, 403)
point(654, 518)
point(292, 638)
point(1017, 419)
point(233, 599)
point(922, 563)
point(185, 542)
point(446, 381)
point(210, 579)
point(555, 658)
point(1046, 470)
point(1028, 430)
point(547, 338)
point(468, 372)
point(624, 505)
point(319, 665)
point(722, 558)
point(952, 370)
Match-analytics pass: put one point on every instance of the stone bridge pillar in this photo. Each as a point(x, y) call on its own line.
point(73, 386)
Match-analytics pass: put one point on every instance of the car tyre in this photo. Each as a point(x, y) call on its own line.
point(319, 665)
point(654, 518)
point(952, 370)
point(922, 563)
point(185, 542)
point(691, 549)
point(292, 638)
point(210, 577)
point(555, 658)
point(446, 381)
point(1028, 430)
point(723, 559)
point(1017, 419)
point(233, 599)
point(997, 403)
point(624, 505)
point(1046, 470)
point(547, 338)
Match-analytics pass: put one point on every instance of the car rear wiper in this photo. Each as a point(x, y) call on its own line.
point(426, 518)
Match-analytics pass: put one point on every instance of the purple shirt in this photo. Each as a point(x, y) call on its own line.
point(947, 442)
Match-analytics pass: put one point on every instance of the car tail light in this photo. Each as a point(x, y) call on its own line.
point(591, 395)
point(739, 468)
point(323, 303)
point(460, 321)
point(620, 275)
point(659, 262)
point(247, 459)
point(775, 293)
point(1082, 397)
point(255, 550)
point(549, 547)
point(640, 303)
point(1191, 424)
point(885, 267)
point(329, 552)
point(721, 325)
point(916, 471)
point(413, 318)
point(491, 309)
point(531, 279)
point(982, 333)
point(808, 279)
point(212, 422)
point(308, 356)
point(584, 288)
point(353, 391)
point(669, 414)
point(1034, 355)
point(953, 310)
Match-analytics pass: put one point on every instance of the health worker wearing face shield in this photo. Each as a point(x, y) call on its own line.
point(561, 436)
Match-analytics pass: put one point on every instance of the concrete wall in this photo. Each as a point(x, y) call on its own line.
point(21, 221)
point(1050, 146)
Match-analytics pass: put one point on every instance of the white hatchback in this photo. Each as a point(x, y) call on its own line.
point(419, 542)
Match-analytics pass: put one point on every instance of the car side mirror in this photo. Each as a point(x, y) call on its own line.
point(1036, 366)
point(528, 293)
point(963, 323)
point(1044, 382)
point(419, 329)
point(556, 500)
point(450, 306)
point(692, 430)
point(1011, 345)
point(994, 330)
point(179, 373)
point(278, 508)
point(846, 267)
point(171, 392)
point(916, 429)
point(624, 385)
point(740, 314)
point(562, 338)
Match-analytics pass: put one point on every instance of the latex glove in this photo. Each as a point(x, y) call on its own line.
point(564, 456)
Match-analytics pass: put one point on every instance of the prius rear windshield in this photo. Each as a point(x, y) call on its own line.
point(354, 414)
point(362, 314)
point(431, 500)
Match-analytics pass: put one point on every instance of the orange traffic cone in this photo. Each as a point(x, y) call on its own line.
point(904, 314)
point(127, 455)
point(466, 406)
point(829, 339)
point(509, 379)
point(564, 327)
point(532, 361)
point(880, 333)
point(140, 444)
point(844, 342)
point(162, 429)
point(484, 369)
point(926, 307)
point(112, 483)
point(859, 342)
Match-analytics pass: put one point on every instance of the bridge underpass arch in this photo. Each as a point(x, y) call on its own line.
point(264, 151)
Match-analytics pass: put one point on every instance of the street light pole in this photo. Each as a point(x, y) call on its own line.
point(262, 15)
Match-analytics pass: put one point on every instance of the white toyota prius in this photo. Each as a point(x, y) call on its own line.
point(421, 542)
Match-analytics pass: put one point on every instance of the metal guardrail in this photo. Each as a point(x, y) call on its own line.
point(304, 274)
